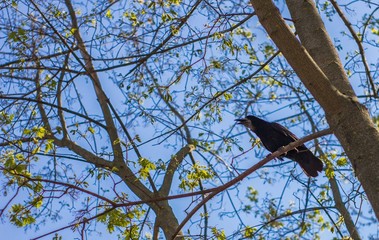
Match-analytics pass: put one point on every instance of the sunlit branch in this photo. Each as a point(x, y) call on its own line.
point(59, 98)
point(175, 161)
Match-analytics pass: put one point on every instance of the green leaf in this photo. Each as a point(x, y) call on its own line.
point(167, 97)
point(13, 36)
point(252, 194)
point(118, 218)
point(146, 166)
point(166, 17)
point(266, 68)
point(20, 216)
point(36, 150)
point(329, 171)
point(49, 145)
point(249, 232)
point(220, 235)
point(19, 156)
point(91, 129)
point(228, 96)
point(216, 64)
point(342, 161)
point(117, 141)
point(108, 14)
point(73, 30)
point(375, 31)
point(20, 168)
point(195, 175)
point(40, 132)
point(175, 2)
point(37, 202)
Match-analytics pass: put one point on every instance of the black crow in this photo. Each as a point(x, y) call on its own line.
point(273, 136)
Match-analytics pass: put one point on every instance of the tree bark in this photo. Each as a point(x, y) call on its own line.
point(315, 38)
point(166, 220)
point(319, 68)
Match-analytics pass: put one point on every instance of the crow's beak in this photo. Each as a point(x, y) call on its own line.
point(241, 121)
point(245, 122)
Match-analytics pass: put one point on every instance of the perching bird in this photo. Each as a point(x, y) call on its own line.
point(273, 136)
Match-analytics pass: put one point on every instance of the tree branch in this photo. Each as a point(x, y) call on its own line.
point(68, 185)
point(163, 43)
point(261, 163)
point(101, 96)
point(218, 95)
point(59, 97)
point(38, 101)
point(329, 97)
point(360, 47)
point(87, 155)
point(175, 161)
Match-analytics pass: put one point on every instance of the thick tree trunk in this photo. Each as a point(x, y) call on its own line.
point(165, 217)
point(320, 70)
point(166, 220)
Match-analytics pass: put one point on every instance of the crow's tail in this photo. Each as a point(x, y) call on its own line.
point(308, 162)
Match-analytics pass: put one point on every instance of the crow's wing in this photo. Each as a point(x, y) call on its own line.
point(285, 131)
point(308, 162)
point(289, 134)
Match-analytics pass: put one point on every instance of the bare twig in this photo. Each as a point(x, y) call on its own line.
point(163, 43)
point(359, 44)
point(218, 95)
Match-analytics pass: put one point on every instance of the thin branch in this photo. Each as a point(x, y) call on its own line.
point(23, 60)
point(130, 139)
point(183, 20)
point(359, 44)
point(68, 185)
point(41, 108)
point(340, 206)
point(59, 97)
point(216, 96)
point(177, 159)
point(74, 225)
point(168, 48)
point(326, 212)
point(261, 163)
point(55, 106)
